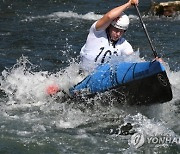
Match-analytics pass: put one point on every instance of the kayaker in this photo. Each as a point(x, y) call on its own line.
point(105, 38)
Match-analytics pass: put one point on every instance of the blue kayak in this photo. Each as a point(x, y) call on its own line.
point(135, 83)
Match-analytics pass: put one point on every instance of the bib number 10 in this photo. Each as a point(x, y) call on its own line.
point(108, 52)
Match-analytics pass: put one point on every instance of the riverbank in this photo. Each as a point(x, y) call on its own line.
point(168, 9)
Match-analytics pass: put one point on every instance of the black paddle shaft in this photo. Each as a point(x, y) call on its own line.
point(146, 32)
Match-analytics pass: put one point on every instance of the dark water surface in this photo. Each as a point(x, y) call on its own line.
point(40, 41)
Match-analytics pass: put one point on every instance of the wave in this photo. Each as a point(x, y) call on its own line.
point(39, 115)
point(69, 14)
point(22, 83)
point(93, 16)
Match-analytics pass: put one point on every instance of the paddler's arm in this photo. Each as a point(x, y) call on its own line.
point(106, 20)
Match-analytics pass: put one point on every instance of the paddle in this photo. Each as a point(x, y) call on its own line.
point(146, 32)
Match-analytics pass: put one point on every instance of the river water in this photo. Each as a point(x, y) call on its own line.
point(40, 41)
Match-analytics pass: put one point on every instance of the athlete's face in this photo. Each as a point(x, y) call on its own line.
point(115, 33)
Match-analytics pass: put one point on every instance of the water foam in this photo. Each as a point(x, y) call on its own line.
point(69, 14)
point(22, 84)
point(174, 79)
point(38, 114)
point(92, 16)
point(25, 90)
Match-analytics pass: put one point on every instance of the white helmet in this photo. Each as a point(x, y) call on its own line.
point(121, 22)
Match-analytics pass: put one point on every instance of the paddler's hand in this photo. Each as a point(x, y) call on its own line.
point(134, 2)
point(159, 59)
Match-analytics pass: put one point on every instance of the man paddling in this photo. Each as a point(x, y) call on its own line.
point(105, 38)
point(104, 41)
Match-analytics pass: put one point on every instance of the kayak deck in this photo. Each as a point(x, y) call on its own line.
point(135, 83)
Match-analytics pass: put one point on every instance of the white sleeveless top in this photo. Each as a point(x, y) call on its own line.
point(98, 49)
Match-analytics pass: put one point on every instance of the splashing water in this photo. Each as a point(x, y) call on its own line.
point(70, 14)
point(21, 84)
point(29, 106)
